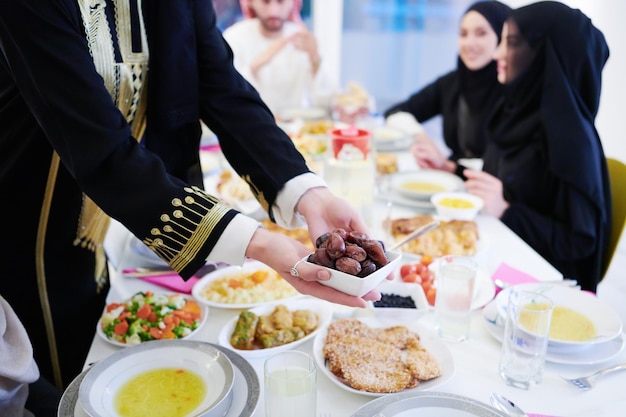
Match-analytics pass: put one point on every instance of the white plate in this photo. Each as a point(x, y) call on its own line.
point(448, 182)
point(223, 272)
point(430, 341)
point(599, 353)
point(321, 308)
point(426, 404)
point(484, 288)
point(204, 311)
point(247, 206)
point(389, 139)
point(99, 387)
point(246, 390)
point(607, 322)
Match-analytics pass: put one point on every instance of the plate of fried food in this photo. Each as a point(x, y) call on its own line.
point(371, 357)
point(457, 237)
point(246, 286)
point(271, 328)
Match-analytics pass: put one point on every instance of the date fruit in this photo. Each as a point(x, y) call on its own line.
point(353, 253)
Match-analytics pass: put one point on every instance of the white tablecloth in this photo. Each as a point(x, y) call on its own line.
point(475, 360)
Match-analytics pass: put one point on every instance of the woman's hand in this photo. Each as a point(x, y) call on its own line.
point(428, 156)
point(282, 253)
point(489, 188)
point(325, 212)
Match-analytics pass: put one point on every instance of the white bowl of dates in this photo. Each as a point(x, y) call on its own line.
point(357, 264)
point(400, 300)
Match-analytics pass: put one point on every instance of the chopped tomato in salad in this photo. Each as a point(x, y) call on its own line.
point(147, 316)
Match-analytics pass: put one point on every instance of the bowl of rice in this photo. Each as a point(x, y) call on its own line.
point(245, 286)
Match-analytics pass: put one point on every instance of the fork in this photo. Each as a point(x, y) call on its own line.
point(586, 383)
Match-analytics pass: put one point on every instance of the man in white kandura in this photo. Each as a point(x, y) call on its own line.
point(280, 58)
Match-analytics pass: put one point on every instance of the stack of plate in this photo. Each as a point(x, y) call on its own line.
point(229, 384)
point(607, 342)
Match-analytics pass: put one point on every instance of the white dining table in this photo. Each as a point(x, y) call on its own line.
point(475, 360)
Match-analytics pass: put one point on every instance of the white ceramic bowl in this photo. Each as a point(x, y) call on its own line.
point(424, 183)
point(471, 205)
point(353, 285)
point(402, 289)
point(607, 322)
point(319, 307)
point(98, 390)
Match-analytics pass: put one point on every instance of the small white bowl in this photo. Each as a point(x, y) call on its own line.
point(353, 285)
point(448, 212)
point(403, 289)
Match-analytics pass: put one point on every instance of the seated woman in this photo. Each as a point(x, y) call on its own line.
point(463, 96)
point(546, 175)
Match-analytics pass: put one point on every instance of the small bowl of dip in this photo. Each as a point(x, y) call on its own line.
point(457, 205)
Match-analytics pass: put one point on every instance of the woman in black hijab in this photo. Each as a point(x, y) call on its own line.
point(463, 96)
point(546, 174)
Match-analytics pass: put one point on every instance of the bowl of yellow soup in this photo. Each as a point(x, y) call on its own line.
point(423, 184)
point(457, 205)
point(166, 378)
point(579, 319)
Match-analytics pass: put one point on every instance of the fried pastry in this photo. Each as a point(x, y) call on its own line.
point(368, 365)
point(421, 363)
point(377, 359)
point(455, 237)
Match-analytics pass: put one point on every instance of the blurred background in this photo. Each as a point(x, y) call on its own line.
point(394, 47)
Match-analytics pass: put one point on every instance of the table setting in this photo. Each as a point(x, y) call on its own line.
point(468, 381)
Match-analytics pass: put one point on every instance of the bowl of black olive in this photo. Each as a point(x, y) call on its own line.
point(357, 263)
point(400, 301)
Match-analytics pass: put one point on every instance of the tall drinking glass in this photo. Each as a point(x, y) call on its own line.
point(290, 385)
point(525, 342)
point(453, 302)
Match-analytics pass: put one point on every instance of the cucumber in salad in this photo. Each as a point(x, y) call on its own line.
point(148, 316)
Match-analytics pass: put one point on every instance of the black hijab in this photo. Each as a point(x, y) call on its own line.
point(550, 110)
point(479, 89)
point(560, 90)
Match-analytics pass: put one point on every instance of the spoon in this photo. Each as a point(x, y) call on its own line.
point(506, 405)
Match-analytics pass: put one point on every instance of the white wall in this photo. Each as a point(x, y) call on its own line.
point(608, 16)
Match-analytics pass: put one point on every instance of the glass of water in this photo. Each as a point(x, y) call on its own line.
point(290, 385)
point(455, 290)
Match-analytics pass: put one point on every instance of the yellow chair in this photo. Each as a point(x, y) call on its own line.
point(617, 177)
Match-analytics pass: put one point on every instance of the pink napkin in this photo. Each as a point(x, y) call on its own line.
point(510, 275)
point(173, 282)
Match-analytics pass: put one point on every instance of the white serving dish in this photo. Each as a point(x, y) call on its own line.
point(429, 340)
point(204, 311)
point(251, 266)
point(100, 386)
point(353, 285)
point(320, 307)
point(403, 289)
